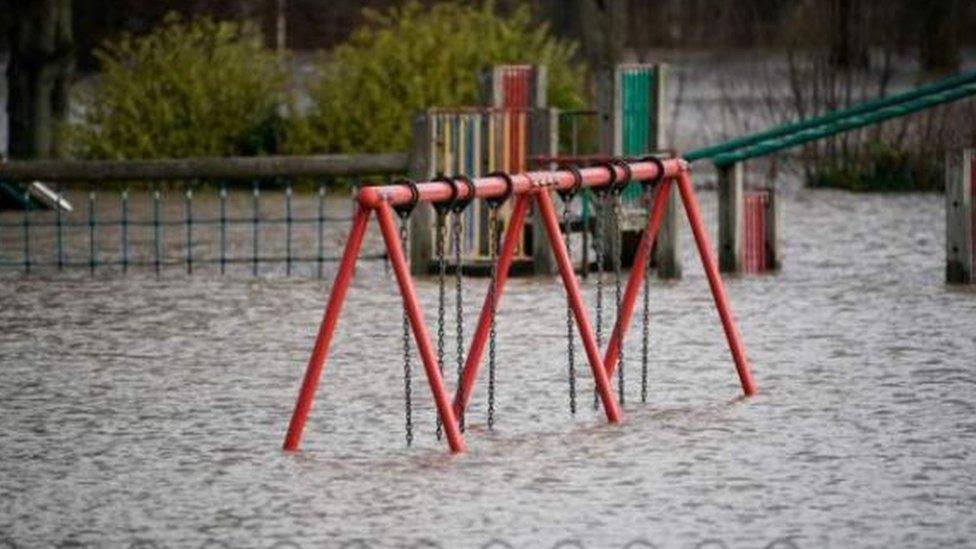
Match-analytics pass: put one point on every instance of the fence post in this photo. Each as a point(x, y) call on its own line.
point(422, 218)
point(667, 253)
point(771, 228)
point(730, 218)
point(543, 141)
point(960, 170)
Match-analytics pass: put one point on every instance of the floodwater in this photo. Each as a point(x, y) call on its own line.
point(149, 412)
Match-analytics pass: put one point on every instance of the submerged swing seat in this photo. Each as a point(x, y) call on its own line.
point(659, 176)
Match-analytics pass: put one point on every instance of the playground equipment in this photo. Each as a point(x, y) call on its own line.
point(516, 127)
point(635, 98)
point(961, 217)
point(734, 239)
point(471, 141)
point(456, 193)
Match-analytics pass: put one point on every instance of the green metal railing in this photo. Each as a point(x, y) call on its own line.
point(839, 121)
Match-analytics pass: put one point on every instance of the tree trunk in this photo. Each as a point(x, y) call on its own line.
point(940, 40)
point(41, 62)
point(600, 26)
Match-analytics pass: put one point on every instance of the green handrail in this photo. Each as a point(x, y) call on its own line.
point(763, 148)
point(787, 130)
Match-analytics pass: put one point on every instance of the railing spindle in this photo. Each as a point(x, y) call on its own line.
point(223, 227)
point(288, 221)
point(188, 220)
point(125, 230)
point(27, 229)
point(157, 229)
point(321, 223)
point(255, 227)
point(91, 231)
point(58, 228)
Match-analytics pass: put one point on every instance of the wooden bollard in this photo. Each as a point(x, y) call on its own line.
point(960, 173)
point(730, 218)
point(747, 225)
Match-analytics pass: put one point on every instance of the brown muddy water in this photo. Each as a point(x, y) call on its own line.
point(149, 412)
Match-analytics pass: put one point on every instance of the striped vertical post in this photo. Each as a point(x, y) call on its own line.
point(747, 224)
point(634, 107)
point(960, 187)
point(527, 129)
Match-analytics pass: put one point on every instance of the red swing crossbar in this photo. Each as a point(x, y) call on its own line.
point(525, 187)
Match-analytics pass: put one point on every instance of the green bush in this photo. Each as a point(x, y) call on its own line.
point(882, 167)
point(196, 88)
point(411, 58)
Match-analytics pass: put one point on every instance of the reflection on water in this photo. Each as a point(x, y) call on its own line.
point(150, 412)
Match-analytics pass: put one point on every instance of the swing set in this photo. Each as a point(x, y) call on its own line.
point(450, 196)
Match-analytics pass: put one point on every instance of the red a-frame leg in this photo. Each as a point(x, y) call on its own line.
point(548, 215)
point(504, 263)
point(660, 200)
point(715, 283)
point(313, 372)
point(412, 307)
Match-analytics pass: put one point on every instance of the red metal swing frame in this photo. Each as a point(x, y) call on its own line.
point(529, 186)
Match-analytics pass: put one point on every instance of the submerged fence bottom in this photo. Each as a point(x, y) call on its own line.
point(256, 230)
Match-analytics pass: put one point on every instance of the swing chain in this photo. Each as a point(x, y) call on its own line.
point(570, 357)
point(441, 208)
point(616, 251)
point(458, 304)
point(457, 208)
point(598, 230)
point(403, 211)
point(617, 187)
point(567, 198)
point(406, 348)
point(494, 204)
point(649, 187)
point(492, 256)
point(646, 314)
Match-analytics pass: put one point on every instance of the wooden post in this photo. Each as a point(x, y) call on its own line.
point(421, 245)
point(960, 171)
point(771, 227)
point(667, 253)
point(543, 141)
point(493, 86)
point(730, 218)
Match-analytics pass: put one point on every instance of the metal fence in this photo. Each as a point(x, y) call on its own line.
point(274, 215)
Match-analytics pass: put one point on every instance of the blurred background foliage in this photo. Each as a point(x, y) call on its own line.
point(410, 58)
point(205, 88)
point(189, 88)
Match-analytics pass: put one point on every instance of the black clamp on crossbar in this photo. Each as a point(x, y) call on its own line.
point(568, 194)
point(620, 184)
point(497, 201)
point(601, 191)
point(459, 205)
point(660, 170)
point(444, 206)
point(404, 210)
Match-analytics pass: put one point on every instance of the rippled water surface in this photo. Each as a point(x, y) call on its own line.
point(136, 410)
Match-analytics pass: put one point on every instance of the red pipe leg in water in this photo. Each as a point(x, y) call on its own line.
point(636, 278)
point(412, 307)
point(715, 283)
point(472, 363)
point(548, 215)
point(313, 372)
